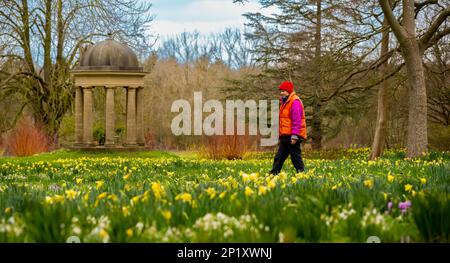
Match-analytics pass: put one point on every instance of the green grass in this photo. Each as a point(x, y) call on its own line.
point(76, 154)
point(178, 197)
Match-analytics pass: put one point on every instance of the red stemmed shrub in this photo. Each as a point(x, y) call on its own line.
point(27, 138)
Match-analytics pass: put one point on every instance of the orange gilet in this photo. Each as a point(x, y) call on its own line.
point(285, 118)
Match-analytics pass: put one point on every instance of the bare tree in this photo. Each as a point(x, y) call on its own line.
point(383, 104)
point(326, 47)
point(413, 47)
point(44, 38)
point(438, 88)
point(229, 47)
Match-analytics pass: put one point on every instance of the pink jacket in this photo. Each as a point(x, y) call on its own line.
point(296, 116)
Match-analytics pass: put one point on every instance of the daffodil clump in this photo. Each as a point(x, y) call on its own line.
point(110, 198)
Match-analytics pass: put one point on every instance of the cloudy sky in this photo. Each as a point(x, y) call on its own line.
point(206, 16)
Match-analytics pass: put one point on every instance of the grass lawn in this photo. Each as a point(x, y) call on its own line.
point(180, 197)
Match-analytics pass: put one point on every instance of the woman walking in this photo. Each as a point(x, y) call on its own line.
point(292, 129)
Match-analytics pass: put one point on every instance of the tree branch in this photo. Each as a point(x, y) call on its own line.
point(23, 73)
point(386, 77)
point(16, 118)
point(420, 6)
point(437, 37)
point(425, 39)
point(374, 65)
point(398, 30)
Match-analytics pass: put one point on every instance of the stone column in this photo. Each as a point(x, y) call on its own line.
point(109, 117)
point(131, 116)
point(87, 116)
point(140, 116)
point(78, 116)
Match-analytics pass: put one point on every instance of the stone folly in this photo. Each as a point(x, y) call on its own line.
point(111, 65)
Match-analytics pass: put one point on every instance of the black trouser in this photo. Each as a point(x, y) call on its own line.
point(285, 149)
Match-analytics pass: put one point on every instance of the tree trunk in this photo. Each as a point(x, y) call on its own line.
point(383, 104)
point(25, 36)
point(316, 131)
point(417, 140)
point(412, 52)
point(60, 36)
point(48, 42)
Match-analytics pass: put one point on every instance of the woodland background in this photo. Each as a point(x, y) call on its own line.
point(354, 64)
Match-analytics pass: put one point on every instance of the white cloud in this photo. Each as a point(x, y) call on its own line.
point(210, 10)
point(206, 16)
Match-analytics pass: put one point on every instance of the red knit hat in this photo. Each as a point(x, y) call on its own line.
point(287, 86)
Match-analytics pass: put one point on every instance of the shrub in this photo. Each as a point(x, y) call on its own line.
point(99, 135)
point(27, 138)
point(229, 147)
point(66, 132)
point(120, 132)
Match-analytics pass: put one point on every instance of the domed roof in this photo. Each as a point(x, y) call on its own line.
point(109, 55)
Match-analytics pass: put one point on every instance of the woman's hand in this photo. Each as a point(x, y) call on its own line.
point(293, 141)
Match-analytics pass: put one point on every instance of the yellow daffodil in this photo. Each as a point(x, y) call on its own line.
point(103, 234)
point(102, 195)
point(135, 200)
point(271, 184)
point(211, 192)
point(113, 197)
point(294, 180)
point(185, 197)
point(408, 187)
point(262, 190)
point(166, 214)
point(71, 194)
point(126, 210)
point(129, 232)
point(248, 191)
point(423, 180)
point(368, 183)
point(99, 184)
point(86, 197)
point(54, 199)
point(158, 190)
point(253, 177)
point(282, 176)
point(390, 178)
